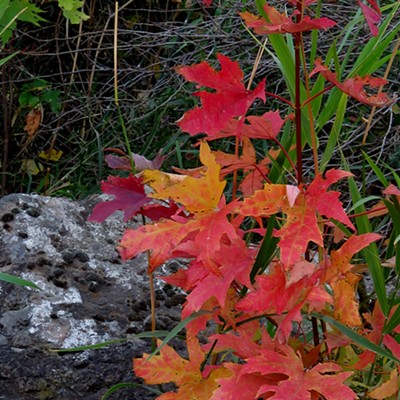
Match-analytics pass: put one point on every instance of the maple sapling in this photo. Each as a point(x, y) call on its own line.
point(259, 259)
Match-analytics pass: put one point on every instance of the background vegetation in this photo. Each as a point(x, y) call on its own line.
point(63, 78)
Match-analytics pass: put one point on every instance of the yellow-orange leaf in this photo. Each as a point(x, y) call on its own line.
point(53, 155)
point(197, 194)
point(345, 303)
point(169, 366)
point(160, 238)
point(386, 389)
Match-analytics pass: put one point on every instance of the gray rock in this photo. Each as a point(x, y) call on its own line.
point(87, 296)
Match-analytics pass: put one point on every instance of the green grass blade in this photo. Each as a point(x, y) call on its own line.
point(394, 211)
point(123, 385)
point(267, 250)
point(357, 338)
point(376, 169)
point(144, 335)
point(394, 321)
point(363, 201)
point(174, 332)
point(17, 281)
point(8, 58)
point(370, 253)
point(336, 128)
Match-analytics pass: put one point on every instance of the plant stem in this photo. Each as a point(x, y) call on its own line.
point(297, 105)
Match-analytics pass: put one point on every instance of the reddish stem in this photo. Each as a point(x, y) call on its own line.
point(318, 94)
point(367, 212)
point(297, 106)
point(282, 99)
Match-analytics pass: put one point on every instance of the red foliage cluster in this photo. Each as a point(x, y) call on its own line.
point(192, 218)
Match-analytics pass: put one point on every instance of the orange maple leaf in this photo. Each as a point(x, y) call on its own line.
point(345, 306)
point(254, 173)
point(169, 366)
point(301, 207)
point(343, 282)
point(197, 237)
point(280, 23)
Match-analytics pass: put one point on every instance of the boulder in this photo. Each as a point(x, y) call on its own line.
point(87, 295)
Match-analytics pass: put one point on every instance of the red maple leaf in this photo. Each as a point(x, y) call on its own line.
point(280, 23)
point(392, 190)
point(372, 15)
point(254, 173)
point(274, 294)
point(298, 382)
point(328, 203)
point(266, 126)
point(234, 262)
point(301, 208)
point(129, 197)
point(354, 87)
point(198, 237)
point(230, 99)
point(240, 386)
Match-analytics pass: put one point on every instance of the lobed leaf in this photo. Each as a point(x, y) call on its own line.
point(230, 99)
point(355, 87)
point(280, 23)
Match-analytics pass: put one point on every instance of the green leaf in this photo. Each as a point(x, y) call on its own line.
point(52, 98)
point(357, 338)
point(3, 7)
point(30, 13)
point(16, 280)
point(17, 10)
point(71, 10)
point(27, 99)
point(5, 59)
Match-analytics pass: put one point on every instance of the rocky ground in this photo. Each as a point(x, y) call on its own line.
point(87, 296)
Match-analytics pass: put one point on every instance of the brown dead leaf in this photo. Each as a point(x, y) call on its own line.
point(33, 120)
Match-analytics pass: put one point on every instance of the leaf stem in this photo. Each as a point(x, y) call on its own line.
point(280, 98)
point(297, 108)
point(310, 99)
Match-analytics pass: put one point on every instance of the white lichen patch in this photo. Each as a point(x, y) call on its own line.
point(55, 294)
point(39, 315)
point(38, 240)
point(111, 270)
point(83, 333)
